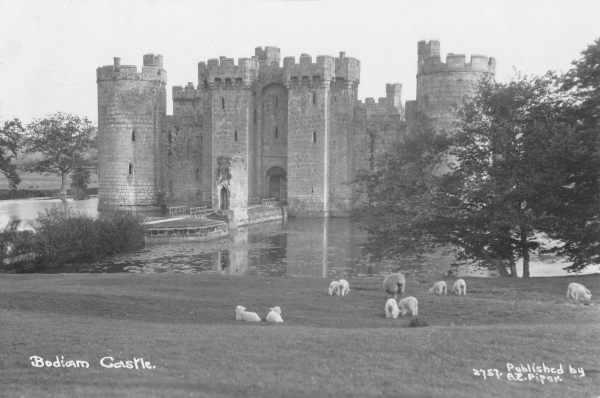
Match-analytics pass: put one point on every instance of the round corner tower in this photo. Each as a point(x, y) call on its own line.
point(442, 86)
point(131, 107)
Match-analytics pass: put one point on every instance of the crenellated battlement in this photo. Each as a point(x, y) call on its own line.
point(223, 73)
point(429, 61)
point(456, 63)
point(428, 48)
point(391, 104)
point(218, 70)
point(347, 68)
point(151, 71)
point(269, 54)
point(188, 92)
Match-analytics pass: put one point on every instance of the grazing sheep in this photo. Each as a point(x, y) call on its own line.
point(391, 309)
point(343, 287)
point(334, 288)
point(275, 315)
point(439, 288)
point(409, 303)
point(394, 284)
point(242, 315)
point(577, 291)
point(460, 286)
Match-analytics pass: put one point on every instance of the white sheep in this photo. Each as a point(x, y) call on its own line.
point(394, 284)
point(577, 291)
point(391, 309)
point(343, 287)
point(275, 315)
point(242, 315)
point(460, 286)
point(334, 288)
point(439, 288)
point(409, 303)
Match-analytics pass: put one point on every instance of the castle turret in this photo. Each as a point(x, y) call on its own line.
point(131, 107)
point(441, 86)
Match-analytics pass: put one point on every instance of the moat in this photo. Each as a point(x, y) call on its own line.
point(298, 247)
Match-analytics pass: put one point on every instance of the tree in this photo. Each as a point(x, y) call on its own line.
point(520, 168)
point(9, 146)
point(583, 82)
point(80, 178)
point(65, 142)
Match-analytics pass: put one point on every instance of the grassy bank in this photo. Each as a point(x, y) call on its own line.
point(327, 346)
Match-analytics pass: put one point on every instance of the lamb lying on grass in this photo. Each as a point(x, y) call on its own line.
point(409, 303)
point(334, 288)
point(439, 288)
point(460, 286)
point(391, 309)
point(394, 284)
point(275, 315)
point(343, 287)
point(578, 291)
point(242, 315)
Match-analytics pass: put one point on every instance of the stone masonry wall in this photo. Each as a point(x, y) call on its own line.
point(231, 133)
point(308, 139)
point(272, 148)
point(182, 160)
point(131, 106)
point(341, 147)
point(443, 86)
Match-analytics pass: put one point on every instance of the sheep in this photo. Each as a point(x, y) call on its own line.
point(343, 287)
point(242, 315)
point(391, 309)
point(275, 315)
point(409, 303)
point(394, 284)
point(439, 288)
point(334, 288)
point(460, 286)
point(577, 291)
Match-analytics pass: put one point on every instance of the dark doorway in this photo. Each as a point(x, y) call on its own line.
point(277, 184)
point(224, 199)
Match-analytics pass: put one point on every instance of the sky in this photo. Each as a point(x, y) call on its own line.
point(50, 50)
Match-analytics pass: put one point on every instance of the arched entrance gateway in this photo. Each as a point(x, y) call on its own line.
point(277, 184)
point(224, 199)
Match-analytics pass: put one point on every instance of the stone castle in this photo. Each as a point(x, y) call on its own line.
point(261, 128)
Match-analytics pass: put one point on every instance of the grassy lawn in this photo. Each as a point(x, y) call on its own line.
point(328, 346)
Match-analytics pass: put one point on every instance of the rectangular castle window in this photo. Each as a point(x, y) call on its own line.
point(235, 135)
point(314, 136)
point(276, 132)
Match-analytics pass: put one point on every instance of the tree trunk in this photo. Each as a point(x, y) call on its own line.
point(63, 188)
point(525, 254)
point(494, 261)
point(513, 267)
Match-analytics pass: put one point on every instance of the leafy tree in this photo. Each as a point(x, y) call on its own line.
point(80, 178)
point(66, 142)
point(583, 82)
point(9, 145)
point(520, 168)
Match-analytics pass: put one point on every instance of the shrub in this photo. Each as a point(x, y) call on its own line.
point(21, 253)
point(64, 234)
point(119, 231)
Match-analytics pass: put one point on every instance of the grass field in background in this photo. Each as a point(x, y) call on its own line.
point(33, 180)
point(328, 346)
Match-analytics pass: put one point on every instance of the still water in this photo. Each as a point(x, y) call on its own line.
point(296, 247)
